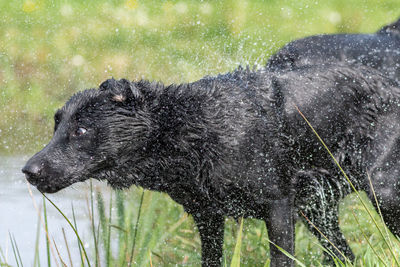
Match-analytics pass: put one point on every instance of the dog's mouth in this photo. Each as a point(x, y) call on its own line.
point(47, 188)
point(52, 184)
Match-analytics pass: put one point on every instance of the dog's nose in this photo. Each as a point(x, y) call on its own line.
point(32, 172)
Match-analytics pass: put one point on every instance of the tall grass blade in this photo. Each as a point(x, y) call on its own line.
point(379, 209)
point(324, 236)
point(98, 234)
point(67, 246)
point(39, 213)
point(136, 227)
point(58, 253)
point(15, 250)
point(122, 236)
point(108, 252)
point(290, 256)
point(172, 229)
point(102, 218)
point(3, 259)
point(334, 258)
point(47, 230)
point(151, 263)
point(77, 239)
point(149, 237)
point(235, 262)
point(91, 214)
point(366, 239)
point(72, 227)
point(351, 184)
point(105, 225)
point(36, 258)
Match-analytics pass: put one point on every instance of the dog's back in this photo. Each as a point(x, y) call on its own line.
point(380, 50)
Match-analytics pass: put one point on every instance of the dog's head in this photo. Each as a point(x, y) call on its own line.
point(93, 133)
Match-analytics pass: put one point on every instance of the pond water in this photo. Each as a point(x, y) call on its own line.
point(19, 216)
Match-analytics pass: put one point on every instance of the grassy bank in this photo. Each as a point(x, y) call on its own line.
point(163, 235)
point(51, 49)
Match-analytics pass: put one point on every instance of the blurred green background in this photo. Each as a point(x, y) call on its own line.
point(51, 49)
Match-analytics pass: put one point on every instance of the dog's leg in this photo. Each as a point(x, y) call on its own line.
point(280, 226)
point(317, 201)
point(211, 229)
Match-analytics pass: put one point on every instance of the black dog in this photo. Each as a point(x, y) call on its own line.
point(380, 51)
point(236, 145)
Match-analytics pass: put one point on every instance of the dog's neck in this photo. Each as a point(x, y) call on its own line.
point(181, 146)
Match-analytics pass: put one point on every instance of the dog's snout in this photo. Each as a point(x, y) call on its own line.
point(32, 172)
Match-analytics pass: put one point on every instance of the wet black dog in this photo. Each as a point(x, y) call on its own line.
point(380, 50)
point(236, 145)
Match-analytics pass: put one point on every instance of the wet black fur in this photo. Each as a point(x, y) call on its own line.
point(380, 50)
point(236, 145)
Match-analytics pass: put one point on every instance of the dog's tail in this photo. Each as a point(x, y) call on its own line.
point(391, 29)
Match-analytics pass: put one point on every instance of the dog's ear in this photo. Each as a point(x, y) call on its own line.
point(121, 90)
point(391, 29)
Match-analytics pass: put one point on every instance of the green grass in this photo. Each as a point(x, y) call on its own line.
point(51, 49)
point(166, 236)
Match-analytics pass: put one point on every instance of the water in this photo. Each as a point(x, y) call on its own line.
point(19, 217)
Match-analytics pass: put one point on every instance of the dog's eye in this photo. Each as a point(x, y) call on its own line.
point(80, 131)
